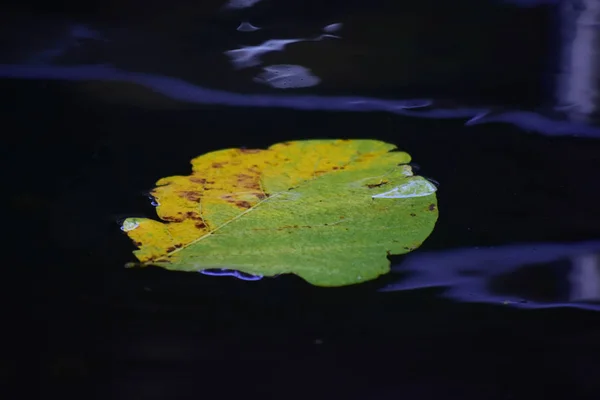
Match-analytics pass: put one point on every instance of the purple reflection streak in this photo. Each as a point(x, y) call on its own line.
point(181, 90)
point(184, 91)
point(447, 269)
point(228, 272)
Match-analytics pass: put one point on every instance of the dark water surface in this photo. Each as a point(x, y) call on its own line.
point(500, 302)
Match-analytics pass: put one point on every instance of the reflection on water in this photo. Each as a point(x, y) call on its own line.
point(287, 77)
point(236, 4)
point(247, 27)
point(185, 91)
point(227, 272)
point(249, 56)
point(65, 59)
point(535, 275)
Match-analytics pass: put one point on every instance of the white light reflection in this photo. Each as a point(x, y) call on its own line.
point(249, 56)
point(247, 27)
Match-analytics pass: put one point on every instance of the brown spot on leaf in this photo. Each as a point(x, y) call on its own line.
point(218, 164)
point(260, 196)
point(200, 225)
point(191, 196)
point(374, 185)
point(229, 198)
point(170, 249)
point(193, 215)
point(201, 181)
point(243, 204)
point(250, 151)
point(287, 227)
point(172, 219)
point(138, 244)
point(179, 245)
point(248, 181)
point(431, 207)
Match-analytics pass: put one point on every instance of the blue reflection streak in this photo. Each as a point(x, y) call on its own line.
point(229, 272)
point(446, 269)
point(181, 90)
point(184, 91)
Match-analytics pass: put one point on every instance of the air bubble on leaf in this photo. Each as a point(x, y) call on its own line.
point(285, 76)
point(129, 225)
point(407, 170)
point(247, 27)
point(414, 188)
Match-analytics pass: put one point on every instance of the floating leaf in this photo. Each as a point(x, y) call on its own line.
point(330, 211)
